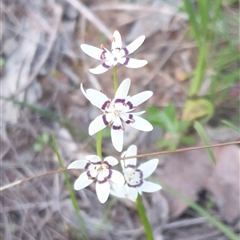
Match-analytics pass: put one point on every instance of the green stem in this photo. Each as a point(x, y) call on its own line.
point(199, 73)
point(142, 214)
point(99, 144)
point(115, 79)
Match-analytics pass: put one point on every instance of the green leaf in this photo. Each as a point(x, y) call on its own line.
point(203, 135)
point(200, 108)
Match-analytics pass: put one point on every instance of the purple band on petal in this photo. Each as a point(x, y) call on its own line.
point(130, 105)
point(138, 184)
point(116, 127)
point(106, 178)
point(126, 61)
point(87, 165)
point(102, 56)
point(126, 51)
point(104, 118)
point(89, 175)
point(130, 166)
point(118, 100)
point(130, 117)
point(105, 65)
point(105, 105)
point(116, 49)
point(106, 163)
point(140, 173)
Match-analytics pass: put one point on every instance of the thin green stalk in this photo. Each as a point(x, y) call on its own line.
point(198, 77)
point(99, 144)
point(115, 79)
point(71, 192)
point(142, 214)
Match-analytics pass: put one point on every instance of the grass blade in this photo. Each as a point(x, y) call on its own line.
point(203, 135)
point(193, 20)
point(231, 125)
point(71, 192)
point(214, 221)
point(142, 214)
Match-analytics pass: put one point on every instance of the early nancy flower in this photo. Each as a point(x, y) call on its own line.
point(135, 177)
point(116, 55)
point(99, 170)
point(117, 112)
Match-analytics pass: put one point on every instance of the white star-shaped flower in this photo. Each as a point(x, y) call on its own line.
point(116, 55)
point(100, 171)
point(135, 177)
point(117, 112)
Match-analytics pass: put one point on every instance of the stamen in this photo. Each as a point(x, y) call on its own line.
point(102, 46)
point(113, 39)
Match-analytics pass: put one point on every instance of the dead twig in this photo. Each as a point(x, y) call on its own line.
point(91, 17)
point(136, 156)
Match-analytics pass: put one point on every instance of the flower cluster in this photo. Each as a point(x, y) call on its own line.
point(108, 180)
point(117, 113)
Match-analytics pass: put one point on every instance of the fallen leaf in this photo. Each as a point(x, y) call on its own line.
point(224, 182)
point(186, 172)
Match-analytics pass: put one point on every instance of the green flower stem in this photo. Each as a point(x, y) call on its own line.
point(142, 214)
point(199, 72)
point(115, 79)
point(99, 144)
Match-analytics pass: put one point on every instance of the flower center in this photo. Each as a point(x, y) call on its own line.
point(117, 113)
point(115, 53)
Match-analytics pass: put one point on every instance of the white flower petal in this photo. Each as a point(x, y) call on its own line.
point(132, 62)
point(102, 68)
point(117, 178)
point(78, 164)
point(135, 44)
point(94, 159)
point(133, 193)
point(117, 40)
point(149, 187)
point(131, 151)
point(83, 91)
point(123, 89)
point(92, 51)
point(118, 191)
point(123, 192)
point(82, 182)
point(102, 191)
point(140, 98)
point(96, 98)
point(139, 113)
point(96, 125)
point(148, 167)
point(141, 124)
point(112, 161)
point(117, 139)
